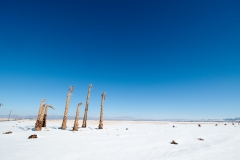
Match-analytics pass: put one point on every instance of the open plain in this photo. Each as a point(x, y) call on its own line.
point(123, 140)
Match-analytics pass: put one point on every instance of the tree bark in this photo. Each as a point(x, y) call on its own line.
point(64, 123)
point(45, 115)
point(84, 125)
point(101, 111)
point(75, 126)
point(38, 124)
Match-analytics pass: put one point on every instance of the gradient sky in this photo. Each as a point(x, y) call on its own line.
point(155, 59)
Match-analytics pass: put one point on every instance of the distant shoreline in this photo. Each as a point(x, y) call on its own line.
point(132, 120)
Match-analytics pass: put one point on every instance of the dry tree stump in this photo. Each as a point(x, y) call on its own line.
point(8, 132)
point(32, 136)
point(173, 142)
point(75, 126)
point(44, 120)
point(38, 124)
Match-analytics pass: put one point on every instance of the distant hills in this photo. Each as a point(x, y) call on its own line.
point(232, 119)
point(69, 117)
point(122, 118)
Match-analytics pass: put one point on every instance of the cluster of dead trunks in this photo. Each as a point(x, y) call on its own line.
point(42, 114)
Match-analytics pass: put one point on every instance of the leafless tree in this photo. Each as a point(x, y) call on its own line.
point(38, 124)
point(64, 123)
point(84, 125)
point(45, 115)
point(9, 115)
point(75, 127)
point(101, 111)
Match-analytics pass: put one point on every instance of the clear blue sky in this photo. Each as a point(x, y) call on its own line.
point(155, 59)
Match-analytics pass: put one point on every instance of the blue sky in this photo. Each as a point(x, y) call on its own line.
point(157, 59)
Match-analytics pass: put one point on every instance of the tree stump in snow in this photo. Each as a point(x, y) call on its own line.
point(8, 132)
point(32, 136)
point(173, 142)
point(75, 126)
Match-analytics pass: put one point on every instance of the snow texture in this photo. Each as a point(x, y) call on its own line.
point(142, 141)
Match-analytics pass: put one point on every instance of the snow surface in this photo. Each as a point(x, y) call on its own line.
point(142, 141)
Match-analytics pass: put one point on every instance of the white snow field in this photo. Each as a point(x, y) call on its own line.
point(143, 140)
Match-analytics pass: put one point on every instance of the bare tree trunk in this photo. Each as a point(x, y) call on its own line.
point(84, 125)
point(40, 120)
point(75, 127)
point(64, 123)
point(101, 111)
point(45, 115)
point(38, 125)
point(44, 124)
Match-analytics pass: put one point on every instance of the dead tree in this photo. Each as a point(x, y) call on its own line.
point(45, 115)
point(9, 115)
point(75, 127)
point(64, 123)
point(101, 111)
point(38, 124)
point(84, 125)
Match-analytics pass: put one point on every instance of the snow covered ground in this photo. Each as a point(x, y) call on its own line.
point(142, 141)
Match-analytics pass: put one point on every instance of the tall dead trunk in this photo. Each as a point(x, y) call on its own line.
point(38, 125)
point(75, 126)
point(44, 124)
point(64, 123)
point(101, 111)
point(40, 120)
point(45, 115)
point(84, 125)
